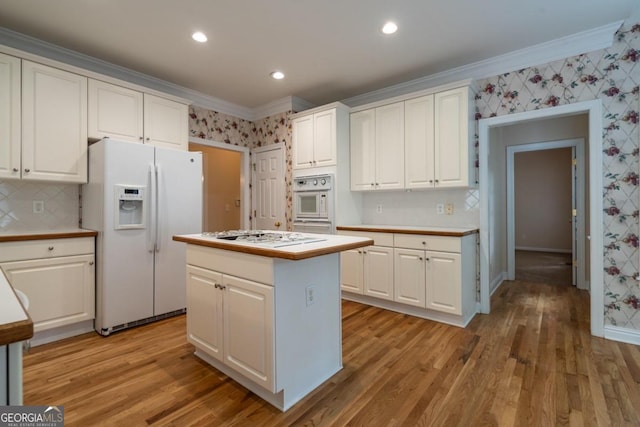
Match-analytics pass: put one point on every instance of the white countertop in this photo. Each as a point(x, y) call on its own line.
point(10, 308)
point(331, 243)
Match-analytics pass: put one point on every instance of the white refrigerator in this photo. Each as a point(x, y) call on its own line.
point(139, 196)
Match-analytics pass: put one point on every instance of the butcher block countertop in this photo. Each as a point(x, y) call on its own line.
point(331, 244)
point(15, 323)
point(46, 234)
point(410, 229)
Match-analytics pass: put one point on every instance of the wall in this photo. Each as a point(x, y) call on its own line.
point(276, 129)
point(613, 76)
point(543, 193)
point(221, 191)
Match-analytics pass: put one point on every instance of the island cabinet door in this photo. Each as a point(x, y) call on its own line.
point(249, 330)
point(204, 310)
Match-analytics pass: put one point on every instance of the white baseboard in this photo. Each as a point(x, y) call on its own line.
point(553, 250)
point(495, 284)
point(615, 333)
point(62, 332)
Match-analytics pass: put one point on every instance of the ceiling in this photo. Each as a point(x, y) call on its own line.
point(328, 49)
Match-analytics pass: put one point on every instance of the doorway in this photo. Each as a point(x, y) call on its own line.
point(225, 201)
point(546, 204)
point(493, 211)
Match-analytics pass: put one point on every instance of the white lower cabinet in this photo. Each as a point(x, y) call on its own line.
point(409, 277)
point(58, 277)
point(443, 282)
point(429, 276)
point(231, 319)
point(378, 272)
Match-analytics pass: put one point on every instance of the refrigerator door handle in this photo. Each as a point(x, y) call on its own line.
point(151, 230)
point(158, 225)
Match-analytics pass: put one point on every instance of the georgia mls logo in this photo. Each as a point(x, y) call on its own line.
point(31, 416)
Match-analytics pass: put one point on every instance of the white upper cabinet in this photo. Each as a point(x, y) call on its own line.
point(363, 154)
point(129, 115)
point(422, 142)
point(115, 112)
point(419, 169)
point(377, 148)
point(166, 122)
point(54, 124)
point(390, 147)
point(314, 139)
point(452, 157)
point(9, 117)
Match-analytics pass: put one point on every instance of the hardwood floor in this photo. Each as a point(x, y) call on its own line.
point(531, 362)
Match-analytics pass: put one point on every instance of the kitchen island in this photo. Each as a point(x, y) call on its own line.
point(268, 313)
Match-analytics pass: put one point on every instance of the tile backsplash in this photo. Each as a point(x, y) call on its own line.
point(419, 208)
point(60, 203)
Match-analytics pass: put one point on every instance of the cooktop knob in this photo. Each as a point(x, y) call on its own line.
point(323, 181)
point(315, 182)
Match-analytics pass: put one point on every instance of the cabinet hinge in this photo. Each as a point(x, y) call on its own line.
point(575, 263)
point(574, 212)
point(254, 166)
point(574, 161)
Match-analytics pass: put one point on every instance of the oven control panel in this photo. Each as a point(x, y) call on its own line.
point(312, 183)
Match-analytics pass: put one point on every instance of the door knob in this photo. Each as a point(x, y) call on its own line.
point(277, 224)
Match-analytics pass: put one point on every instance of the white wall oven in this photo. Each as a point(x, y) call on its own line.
point(313, 204)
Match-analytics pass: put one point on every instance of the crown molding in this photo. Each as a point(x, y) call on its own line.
point(576, 44)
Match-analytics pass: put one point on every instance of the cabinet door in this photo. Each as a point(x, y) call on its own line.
point(351, 271)
point(166, 123)
point(409, 277)
point(54, 124)
point(204, 310)
point(115, 112)
point(61, 291)
point(444, 282)
point(302, 142)
point(248, 330)
point(378, 272)
point(390, 146)
point(9, 117)
point(324, 132)
point(362, 146)
point(418, 143)
point(452, 138)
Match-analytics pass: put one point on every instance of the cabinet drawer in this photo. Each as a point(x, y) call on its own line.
point(432, 243)
point(48, 248)
point(379, 239)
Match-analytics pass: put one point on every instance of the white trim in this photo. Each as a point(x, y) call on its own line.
point(497, 282)
point(596, 279)
point(615, 333)
point(565, 47)
point(245, 173)
point(578, 144)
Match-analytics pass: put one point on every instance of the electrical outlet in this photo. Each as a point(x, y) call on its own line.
point(440, 208)
point(310, 295)
point(38, 206)
point(379, 208)
point(449, 208)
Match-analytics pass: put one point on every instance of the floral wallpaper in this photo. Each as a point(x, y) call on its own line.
point(612, 75)
point(276, 129)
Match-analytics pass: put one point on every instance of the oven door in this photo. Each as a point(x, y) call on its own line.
point(311, 205)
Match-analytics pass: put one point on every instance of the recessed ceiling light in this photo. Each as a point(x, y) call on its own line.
point(199, 37)
point(389, 28)
point(278, 75)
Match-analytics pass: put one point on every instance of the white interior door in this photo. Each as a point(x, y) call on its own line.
point(268, 189)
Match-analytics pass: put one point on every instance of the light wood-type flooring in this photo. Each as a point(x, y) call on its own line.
point(531, 362)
